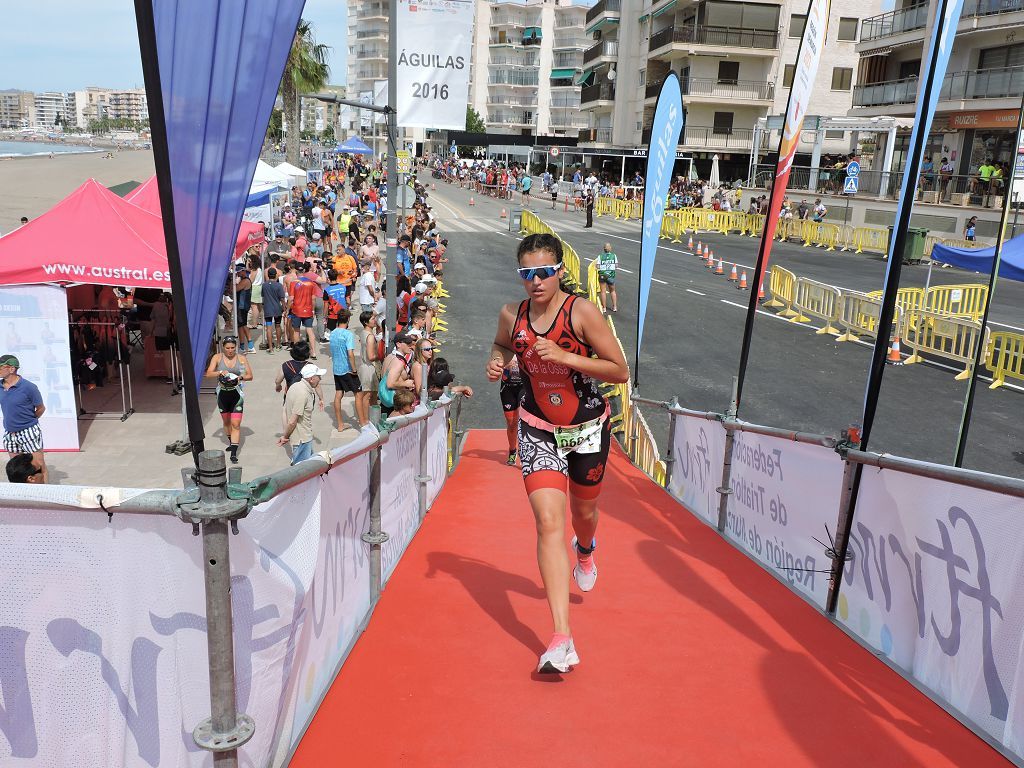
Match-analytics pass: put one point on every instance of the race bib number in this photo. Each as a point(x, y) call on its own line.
point(583, 438)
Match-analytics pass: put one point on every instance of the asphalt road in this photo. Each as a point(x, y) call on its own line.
point(796, 378)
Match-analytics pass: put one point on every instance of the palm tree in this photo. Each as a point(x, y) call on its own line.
point(306, 71)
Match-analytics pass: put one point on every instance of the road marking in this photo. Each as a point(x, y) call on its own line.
point(504, 234)
point(659, 281)
point(1004, 325)
point(627, 271)
point(690, 290)
point(439, 201)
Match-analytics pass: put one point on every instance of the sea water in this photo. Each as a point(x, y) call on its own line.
point(25, 148)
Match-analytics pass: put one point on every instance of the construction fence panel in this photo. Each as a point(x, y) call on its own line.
point(938, 335)
point(814, 299)
point(1005, 357)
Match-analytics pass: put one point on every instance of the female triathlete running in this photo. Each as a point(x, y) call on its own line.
point(564, 348)
point(231, 370)
point(511, 392)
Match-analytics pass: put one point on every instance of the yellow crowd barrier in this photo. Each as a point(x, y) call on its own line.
point(870, 239)
point(821, 234)
point(966, 301)
point(1005, 357)
point(814, 299)
point(952, 338)
point(782, 286)
point(604, 205)
point(908, 300)
point(593, 286)
point(858, 315)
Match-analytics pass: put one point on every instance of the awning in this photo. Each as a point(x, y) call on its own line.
point(662, 10)
point(562, 74)
point(583, 78)
point(600, 23)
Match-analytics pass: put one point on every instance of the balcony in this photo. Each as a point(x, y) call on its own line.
point(567, 60)
point(609, 49)
point(956, 86)
point(581, 43)
point(602, 8)
point(515, 78)
point(565, 102)
point(570, 121)
point(592, 94)
point(506, 20)
point(374, 11)
point(709, 137)
point(511, 119)
point(894, 23)
point(718, 38)
point(512, 61)
point(713, 89)
point(974, 9)
point(886, 93)
point(603, 135)
point(983, 84)
point(512, 101)
point(371, 53)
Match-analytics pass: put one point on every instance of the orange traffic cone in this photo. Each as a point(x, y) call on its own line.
point(433, 187)
point(709, 261)
point(504, 213)
point(743, 281)
point(690, 244)
point(720, 269)
point(894, 357)
point(732, 275)
point(471, 201)
point(760, 291)
point(707, 250)
point(700, 247)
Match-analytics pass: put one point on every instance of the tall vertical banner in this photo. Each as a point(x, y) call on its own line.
point(812, 44)
point(435, 44)
point(661, 158)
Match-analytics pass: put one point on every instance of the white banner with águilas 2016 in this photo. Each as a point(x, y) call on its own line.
point(698, 450)
point(435, 42)
point(935, 586)
point(784, 496)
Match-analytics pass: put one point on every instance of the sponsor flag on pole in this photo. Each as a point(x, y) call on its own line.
point(661, 158)
point(812, 45)
point(435, 44)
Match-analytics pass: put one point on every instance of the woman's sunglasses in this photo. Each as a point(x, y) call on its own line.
point(528, 273)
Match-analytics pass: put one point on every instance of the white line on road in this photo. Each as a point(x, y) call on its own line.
point(627, 271)
point(659, 281)
point(690, 290)
point(504, 234)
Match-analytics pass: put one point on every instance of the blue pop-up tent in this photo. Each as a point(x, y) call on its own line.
point(1011, 262)
point(353, 146)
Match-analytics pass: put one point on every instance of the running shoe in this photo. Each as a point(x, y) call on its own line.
point(511, 461)
point(559, 657)
point(585, 573)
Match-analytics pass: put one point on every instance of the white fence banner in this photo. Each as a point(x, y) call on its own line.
point(35, 328)
point(935, 586)
point(784, 494)
point(435, 43)
point(437, 453)
point(399, 506)
point(699, 452)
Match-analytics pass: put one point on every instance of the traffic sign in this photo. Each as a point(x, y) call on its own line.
point(853, 169)
point(403, 161)
point(406, 196)
point(850, 185)
point(554, 151)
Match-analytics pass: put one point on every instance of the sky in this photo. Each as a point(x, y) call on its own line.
point(67, 45)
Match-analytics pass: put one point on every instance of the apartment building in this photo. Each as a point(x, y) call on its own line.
point(368, 74)
point(317, 115)
point(17, 109)
point(527, 65)
point(980, 97)
point(53, 108)
point(95, 103)
point(735, 62)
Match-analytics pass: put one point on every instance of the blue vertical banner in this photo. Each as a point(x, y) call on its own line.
point(218, 64)
point(661, 159)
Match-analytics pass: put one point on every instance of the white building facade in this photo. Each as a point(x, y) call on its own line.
point(735, 64)
point(527, 63)
point(980, 96)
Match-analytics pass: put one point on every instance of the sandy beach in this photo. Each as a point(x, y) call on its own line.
point(32, 185)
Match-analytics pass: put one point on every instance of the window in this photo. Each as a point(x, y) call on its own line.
point(728, 72)
point(842, 78)
point(643, 77)
point(838, 135)
point(723, 123)
point(1004, 56)
point(787, 75)
point(909, 69)
point(847, 28)
point(796, 24)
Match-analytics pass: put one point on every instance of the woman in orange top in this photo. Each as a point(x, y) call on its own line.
point(345, 266)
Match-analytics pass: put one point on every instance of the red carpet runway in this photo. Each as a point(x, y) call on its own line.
point(691, 655)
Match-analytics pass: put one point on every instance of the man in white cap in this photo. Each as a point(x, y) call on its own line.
point(298, 409)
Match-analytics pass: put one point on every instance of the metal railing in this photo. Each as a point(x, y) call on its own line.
point(984, 84)
point(514, 78)
point(728, 89)
point(722, 37)
point(603, 135)
point(978, 8)
point(512, 101)
point(888, 92)
point(894, 22)
point(604, 6)
point(567, 60)
point(605, 48)
point(501, 119)
point(598, 92)
point(715, 137)
point(513, 61)
point(571, 42)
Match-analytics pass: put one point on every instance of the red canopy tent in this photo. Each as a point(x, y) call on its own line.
point(147, 196)
point(91, 236)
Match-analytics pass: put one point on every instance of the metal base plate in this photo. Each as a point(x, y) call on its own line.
point(205, 737)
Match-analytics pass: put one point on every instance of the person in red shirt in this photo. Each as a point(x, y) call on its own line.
point(301, 293)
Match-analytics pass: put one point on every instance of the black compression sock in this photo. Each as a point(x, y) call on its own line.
point(583, 550)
